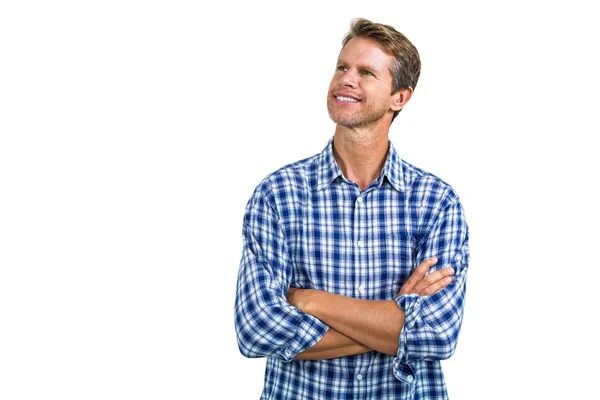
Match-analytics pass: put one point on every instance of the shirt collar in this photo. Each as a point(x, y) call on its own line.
point(393, 170)
point(328, 169)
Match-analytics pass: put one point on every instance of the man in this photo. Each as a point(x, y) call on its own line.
point(353, 272)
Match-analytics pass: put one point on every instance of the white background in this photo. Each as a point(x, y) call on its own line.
point(133, 133)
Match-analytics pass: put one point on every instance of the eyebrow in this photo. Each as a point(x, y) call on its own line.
point(369, 67)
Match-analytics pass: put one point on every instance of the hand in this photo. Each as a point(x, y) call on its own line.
point(428, 285)
point(292, 291)
point(298, 297)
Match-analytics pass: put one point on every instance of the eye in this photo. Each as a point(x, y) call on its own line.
point(342, 68)
point(366, 73)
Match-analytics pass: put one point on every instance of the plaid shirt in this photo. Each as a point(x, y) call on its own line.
point(308, 226)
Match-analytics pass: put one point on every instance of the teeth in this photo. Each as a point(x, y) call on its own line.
point(344, 98)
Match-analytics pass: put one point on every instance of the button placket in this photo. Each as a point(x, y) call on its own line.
point(360, 212)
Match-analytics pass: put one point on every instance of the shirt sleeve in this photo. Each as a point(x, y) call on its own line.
point(266, 324)
point(432, 323)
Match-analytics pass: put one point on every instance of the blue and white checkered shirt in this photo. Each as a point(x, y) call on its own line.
point(308, 226)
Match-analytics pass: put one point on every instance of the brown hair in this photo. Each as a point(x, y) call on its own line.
point(406, 68)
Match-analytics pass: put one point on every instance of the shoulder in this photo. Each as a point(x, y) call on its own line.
point(427, 187)
point(287, 181)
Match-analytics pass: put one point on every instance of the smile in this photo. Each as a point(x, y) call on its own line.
point(348, 99)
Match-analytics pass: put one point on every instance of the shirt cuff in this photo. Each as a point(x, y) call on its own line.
point(308, 333)
point(411, 304)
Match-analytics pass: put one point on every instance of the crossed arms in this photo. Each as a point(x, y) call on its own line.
point(422, 322)
point(357, 326)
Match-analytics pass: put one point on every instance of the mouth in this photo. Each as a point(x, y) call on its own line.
point(346, 99)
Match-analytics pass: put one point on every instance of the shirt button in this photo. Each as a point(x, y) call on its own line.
point(359, 377)
point(410, 379)
point(360, 199)
point(360, 243)
point(361, 289)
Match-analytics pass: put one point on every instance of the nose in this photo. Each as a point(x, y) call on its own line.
point(350, 78)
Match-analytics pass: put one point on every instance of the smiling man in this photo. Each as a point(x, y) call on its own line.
point(353, 271)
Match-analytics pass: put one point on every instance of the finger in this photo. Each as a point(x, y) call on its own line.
point(436, 287)
point(433, 278)
point(417, 275)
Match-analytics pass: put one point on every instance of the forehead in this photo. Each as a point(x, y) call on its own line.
point(365, 52)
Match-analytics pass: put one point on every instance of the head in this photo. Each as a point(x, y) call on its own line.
point(406, 67)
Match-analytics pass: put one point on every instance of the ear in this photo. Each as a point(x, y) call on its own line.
point(400, 98)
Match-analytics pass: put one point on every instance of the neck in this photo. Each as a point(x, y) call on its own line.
point(360, 154)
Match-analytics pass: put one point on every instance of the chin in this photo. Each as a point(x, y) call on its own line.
point(342, 119)
point(347, 122)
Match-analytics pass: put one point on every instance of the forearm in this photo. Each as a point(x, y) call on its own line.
point(374, 323)
point(432, 324)
point(333, 345)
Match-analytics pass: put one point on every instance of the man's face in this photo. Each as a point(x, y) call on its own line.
point(360, 90)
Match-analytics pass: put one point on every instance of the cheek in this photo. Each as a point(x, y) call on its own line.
point(335, 81)
point(332, 84)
